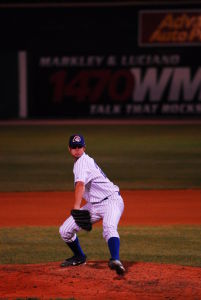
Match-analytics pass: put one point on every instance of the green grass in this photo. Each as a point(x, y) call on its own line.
point(35, 158)
point(171, 244)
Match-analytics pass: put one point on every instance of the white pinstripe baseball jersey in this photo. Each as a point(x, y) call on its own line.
point(97, 185)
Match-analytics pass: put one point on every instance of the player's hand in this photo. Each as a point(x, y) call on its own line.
point(82, 218)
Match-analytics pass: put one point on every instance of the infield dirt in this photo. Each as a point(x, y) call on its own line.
point(95, 280)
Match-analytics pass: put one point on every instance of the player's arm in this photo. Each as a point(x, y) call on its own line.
point(79, 192)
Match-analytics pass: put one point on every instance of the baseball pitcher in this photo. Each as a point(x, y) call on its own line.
point(103, 202)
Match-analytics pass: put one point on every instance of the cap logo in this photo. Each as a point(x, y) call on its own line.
point(76, 139)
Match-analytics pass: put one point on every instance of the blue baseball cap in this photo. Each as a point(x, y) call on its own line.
point(76, 140)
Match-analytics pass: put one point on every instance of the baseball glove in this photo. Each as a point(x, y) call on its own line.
point(82, 218)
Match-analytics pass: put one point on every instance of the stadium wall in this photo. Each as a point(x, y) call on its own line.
point(9, 85)
point(130, 60)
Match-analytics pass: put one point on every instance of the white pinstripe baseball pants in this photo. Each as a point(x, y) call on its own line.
point(109, 211)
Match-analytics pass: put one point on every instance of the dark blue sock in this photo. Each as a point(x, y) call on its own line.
point(76, 248)
point(114, 245)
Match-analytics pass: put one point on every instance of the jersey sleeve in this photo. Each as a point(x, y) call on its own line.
point(81, 172)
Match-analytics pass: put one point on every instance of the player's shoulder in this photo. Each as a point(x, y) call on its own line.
point(83, 160)
point(87, 160)
point(85, 157)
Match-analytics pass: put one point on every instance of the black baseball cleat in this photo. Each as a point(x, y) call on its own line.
point(115, 264)
point(74, 261)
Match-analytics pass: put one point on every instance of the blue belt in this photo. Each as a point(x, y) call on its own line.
point(104, 199)
point(109, 196)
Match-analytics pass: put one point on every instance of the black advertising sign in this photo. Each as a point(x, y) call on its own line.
point(155, 73)
point(117, 85)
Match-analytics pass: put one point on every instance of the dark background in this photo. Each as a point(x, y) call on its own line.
point(71, 28)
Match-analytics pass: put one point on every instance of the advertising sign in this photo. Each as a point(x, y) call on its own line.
point(152, 68)
point(117, 85)
point(170, 27)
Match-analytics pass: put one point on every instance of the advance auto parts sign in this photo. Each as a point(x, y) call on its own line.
point(163, 28)
point(115, 85)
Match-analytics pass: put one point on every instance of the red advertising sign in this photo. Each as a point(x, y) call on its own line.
point(170, 28)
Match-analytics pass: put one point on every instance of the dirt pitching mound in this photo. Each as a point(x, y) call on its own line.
point(96, 281)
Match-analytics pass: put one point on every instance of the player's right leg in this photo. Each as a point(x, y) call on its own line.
point(68, 233)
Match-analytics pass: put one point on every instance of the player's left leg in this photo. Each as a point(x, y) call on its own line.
point(113, 210)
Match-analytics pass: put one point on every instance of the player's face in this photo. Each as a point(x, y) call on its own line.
point(77, 152)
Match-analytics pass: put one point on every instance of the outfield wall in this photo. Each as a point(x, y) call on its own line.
point(8, 85)
point(130, 60)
